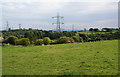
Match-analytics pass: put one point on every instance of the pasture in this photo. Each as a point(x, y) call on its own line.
point(89, 58)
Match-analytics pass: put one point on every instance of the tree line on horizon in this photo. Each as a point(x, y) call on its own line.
point(27, 37)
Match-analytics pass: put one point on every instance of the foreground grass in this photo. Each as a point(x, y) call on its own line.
point(0, 61)
point(91, 58)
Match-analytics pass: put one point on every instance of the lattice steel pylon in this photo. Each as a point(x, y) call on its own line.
point(20, 26)
point(58, 22)
point(7, 26)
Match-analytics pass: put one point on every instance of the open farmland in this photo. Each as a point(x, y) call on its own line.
point(90, 58)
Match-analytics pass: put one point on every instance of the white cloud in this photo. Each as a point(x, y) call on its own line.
point(61, 1)
point(30, 10)
point(0, 15)
point(38, 15)
point(98, 7)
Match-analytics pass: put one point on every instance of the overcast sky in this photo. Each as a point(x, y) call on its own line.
point(81, 14)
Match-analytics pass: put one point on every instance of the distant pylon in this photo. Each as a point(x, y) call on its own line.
point(72, 27)
point(19, 26)
point(7, 26)
point(59, 23)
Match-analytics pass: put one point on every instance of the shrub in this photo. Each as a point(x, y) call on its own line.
point(77, 39)
point(18, 42)
point(23, 41)
point(84, 37)
point(65, 40)
point(3, 44)
point(53, 41)
point(98, 38)
point(32, 42)
point(46, 40)
point(12, 40)
point(71, 40)
point(39, 42)
point(80, 39)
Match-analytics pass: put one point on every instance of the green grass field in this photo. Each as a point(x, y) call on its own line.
point(90, 58)
point(0, 61)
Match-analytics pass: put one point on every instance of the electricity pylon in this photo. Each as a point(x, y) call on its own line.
point(58, 22)
point(19, 26)
point(72, 27)
point(7, 27)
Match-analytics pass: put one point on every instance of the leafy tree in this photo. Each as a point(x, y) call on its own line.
point(98, 38)
point(34, 34)
point(84, 37)
point(76, 38)
point(96, 30)
point(106, 29)
point(68, 34)
point(24, 41)
point(39, 42)
point(46, 40)
point(29, 35)
point(91, 29)
point(65, 40)
point(54, 42)
point(92, 37)
point(71, 40)
point(12, 40)
point(80, 39)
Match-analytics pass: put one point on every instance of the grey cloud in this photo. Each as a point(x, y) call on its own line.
point(78, 13)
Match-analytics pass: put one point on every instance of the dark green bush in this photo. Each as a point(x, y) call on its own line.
point(39, 42)
point(84, 37)
point(12, 40)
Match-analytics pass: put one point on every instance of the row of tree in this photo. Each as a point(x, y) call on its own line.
point(13, 40)
point(39, 37)
point(36, 34)
point(103, 29)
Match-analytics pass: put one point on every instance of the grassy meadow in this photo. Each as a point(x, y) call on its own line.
point(90, 58)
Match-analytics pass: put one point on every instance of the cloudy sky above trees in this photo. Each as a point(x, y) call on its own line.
point(38, 14)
